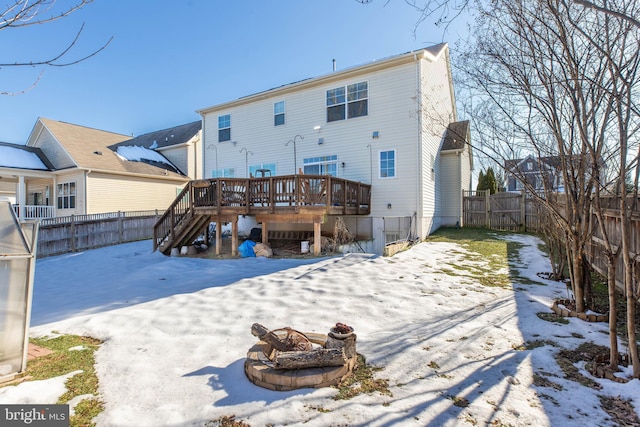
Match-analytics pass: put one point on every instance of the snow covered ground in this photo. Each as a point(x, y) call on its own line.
point(176, 332)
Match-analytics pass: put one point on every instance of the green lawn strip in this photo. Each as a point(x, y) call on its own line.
point(487, 255)
point(64, 360)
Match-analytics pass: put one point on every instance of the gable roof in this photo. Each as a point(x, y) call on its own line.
point(17, 156)
point(456, 136)
point(89, 148)
point(164, 138)
point(432, 53)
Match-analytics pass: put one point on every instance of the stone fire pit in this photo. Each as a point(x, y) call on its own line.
point(285, 359)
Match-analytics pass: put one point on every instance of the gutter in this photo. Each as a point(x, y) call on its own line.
point(138, 175)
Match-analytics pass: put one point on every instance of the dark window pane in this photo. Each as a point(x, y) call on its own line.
point(278, 119)
point(72, 202)
point(224, 135)
point(358, 108)
point(59, 202)
point(335, 113)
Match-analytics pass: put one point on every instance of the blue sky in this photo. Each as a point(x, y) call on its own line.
point(167, 61)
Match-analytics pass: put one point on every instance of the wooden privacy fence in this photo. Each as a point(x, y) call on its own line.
point(520, 212)
point(500, 211)
point(80, 232)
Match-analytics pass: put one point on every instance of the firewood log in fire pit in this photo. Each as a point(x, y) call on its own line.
point(290, 349)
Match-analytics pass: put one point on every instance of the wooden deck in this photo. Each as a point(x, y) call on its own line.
point(288, 199)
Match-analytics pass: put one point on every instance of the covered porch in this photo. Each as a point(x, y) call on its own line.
point(30, 192)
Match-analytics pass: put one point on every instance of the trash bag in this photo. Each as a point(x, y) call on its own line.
point(246, 249)
point(256, 234)
point(263, 250)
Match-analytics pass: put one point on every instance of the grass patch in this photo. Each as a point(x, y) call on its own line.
point(585, 352)
point(552, 317)
point(487, 256)
point(620, 410)
point(70, 353)
point(226, 421)
point(361, 381)
point(530, 345)
point(540, 381)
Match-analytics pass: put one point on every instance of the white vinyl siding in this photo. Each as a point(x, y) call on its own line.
point(391, 112)
point(409, 106)
point(437, 113)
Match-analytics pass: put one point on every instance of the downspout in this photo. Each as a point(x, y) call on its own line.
point(420, 165)
point(460, 188)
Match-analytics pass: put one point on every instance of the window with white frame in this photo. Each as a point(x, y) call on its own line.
point(347, 102)
point(223, 173)
point(263, 169)
point(388, 164)
point(323, 165)
point(66, 195)
point(278, 113)
point(224, 128)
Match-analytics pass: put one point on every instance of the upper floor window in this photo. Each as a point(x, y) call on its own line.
point(66, 195)
point(278, 113)
point(388, 164)
point(224, 128)
point(347, 102)
point(323, 165)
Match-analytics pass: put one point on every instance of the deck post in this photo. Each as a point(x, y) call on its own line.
point(218, 236)
point(234, 236)
point(317, 244)
point(265, 233)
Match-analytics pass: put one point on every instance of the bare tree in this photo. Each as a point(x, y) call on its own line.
point(26, 13)
point(563, 80)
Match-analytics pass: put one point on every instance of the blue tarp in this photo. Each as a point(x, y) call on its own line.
point(246, 249)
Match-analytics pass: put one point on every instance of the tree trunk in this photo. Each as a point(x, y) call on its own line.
point(631, 319)
point(577, 279)
point(613, 312)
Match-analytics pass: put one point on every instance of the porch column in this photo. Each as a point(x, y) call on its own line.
point(22, 198)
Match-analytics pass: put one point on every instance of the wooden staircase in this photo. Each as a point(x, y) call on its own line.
point(180, 225)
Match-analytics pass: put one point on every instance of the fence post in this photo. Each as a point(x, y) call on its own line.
point(73, 233)
point(120, 227)
point(523, 211)
point(487, 207)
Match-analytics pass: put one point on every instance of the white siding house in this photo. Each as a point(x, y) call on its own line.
point(382, 123)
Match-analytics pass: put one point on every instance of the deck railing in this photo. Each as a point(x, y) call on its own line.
point(268, 195)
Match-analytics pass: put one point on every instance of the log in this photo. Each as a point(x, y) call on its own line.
point(348, 344)
point(285, 339)
point(309, 359)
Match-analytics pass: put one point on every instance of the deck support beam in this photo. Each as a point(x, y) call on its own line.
point(316, 219)
point(234, 237)
point(317, 238)
point(265, 233)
